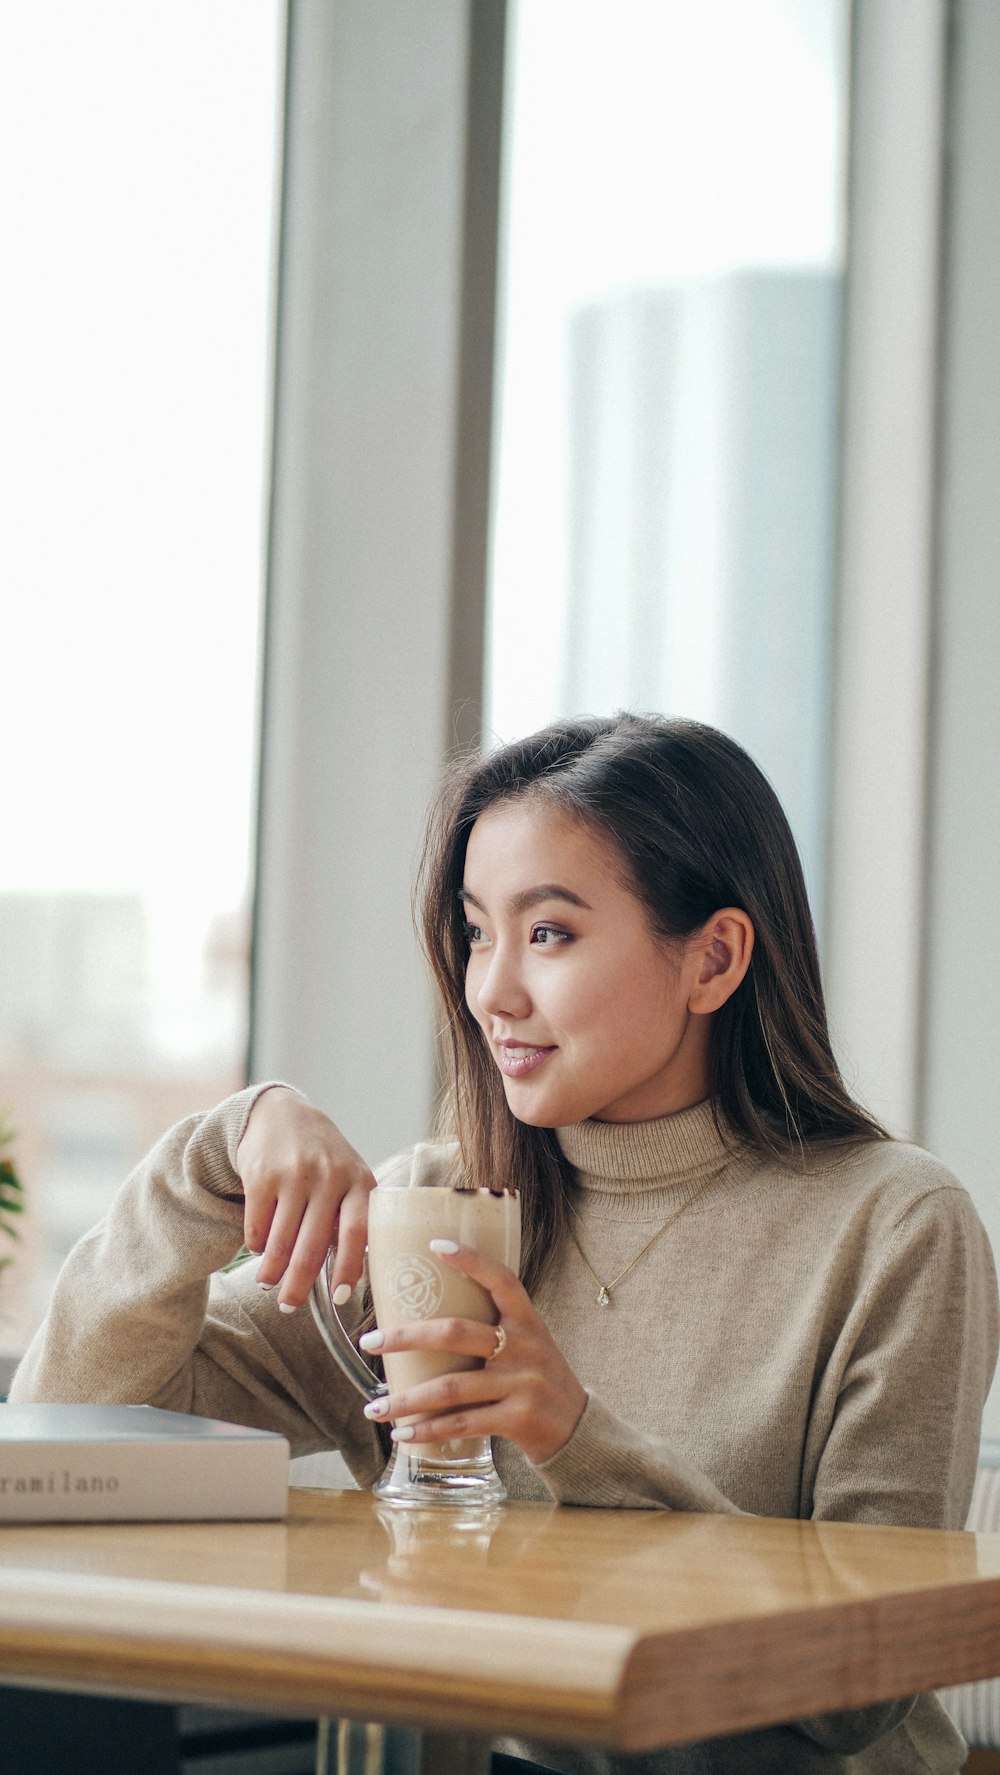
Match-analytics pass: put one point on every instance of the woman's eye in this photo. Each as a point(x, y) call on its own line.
point(546, 936)
point(473, 934)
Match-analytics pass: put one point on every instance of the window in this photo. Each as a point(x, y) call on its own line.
point(138, 226)
point(665, 484)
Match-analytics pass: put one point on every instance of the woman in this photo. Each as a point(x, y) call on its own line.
point(737, 1294)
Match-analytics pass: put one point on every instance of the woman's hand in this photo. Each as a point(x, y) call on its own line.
point(526, 1391)
point(305, 1190)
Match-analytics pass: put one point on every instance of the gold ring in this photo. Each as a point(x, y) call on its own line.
point(501, 1343)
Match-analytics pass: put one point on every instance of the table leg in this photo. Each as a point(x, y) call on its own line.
point(346, 1747)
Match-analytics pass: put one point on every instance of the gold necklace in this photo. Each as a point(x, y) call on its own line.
point(604, 1288)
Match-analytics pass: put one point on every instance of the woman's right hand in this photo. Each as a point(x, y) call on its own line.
point(305, 1189)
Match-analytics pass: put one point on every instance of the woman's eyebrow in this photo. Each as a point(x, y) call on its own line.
point(533, 896)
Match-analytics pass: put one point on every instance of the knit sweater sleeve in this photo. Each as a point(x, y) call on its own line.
point(144, 1311)
point(894, 1432)
point(918, 1360)
point(610, 1464)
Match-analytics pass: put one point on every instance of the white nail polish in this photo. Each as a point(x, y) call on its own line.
point(372, 1340)
point(377, 1408)
point(403, 1433)
point(342, 1294)
point(444, 1247)
point(285, 1306)
point(261, 1284)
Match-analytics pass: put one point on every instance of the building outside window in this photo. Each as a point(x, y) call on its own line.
point(674, 246)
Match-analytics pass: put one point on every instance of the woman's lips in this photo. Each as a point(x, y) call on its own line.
point(517, 1059)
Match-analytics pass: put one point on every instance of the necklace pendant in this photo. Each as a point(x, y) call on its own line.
point(603, 1297)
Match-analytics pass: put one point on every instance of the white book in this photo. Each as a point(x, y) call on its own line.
point(134, 1463)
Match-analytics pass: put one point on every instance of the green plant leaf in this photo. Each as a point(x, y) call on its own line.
point(11, 1190)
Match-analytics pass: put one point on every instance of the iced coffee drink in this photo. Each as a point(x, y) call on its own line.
point(409, 1283)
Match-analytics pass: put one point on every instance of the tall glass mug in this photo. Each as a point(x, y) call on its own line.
point(409, 1283)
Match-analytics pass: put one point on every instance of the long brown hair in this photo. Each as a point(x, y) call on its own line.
point(696, 826)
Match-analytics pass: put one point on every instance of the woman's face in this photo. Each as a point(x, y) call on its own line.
point(583, 1009)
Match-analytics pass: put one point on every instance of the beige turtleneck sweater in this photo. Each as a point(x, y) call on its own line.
point(815, 1342)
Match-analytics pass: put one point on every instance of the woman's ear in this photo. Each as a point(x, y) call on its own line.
point(722, 951)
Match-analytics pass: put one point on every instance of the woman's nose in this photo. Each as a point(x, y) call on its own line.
point(500, 991)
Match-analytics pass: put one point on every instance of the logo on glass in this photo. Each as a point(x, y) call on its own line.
point(415, 1286)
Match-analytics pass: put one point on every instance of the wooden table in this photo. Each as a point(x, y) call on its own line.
point(625, 1629)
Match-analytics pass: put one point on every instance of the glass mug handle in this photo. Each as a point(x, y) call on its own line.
point(331, 1330)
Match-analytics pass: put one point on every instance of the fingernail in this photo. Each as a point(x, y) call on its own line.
point(285, 1306)
point(377, 1409)
point(444, 1247)
point(372, 1340)
point(341, 1294)
point(403, 1433)
point(261, 1284)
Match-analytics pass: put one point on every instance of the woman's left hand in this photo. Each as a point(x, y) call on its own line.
point(527, 1392)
